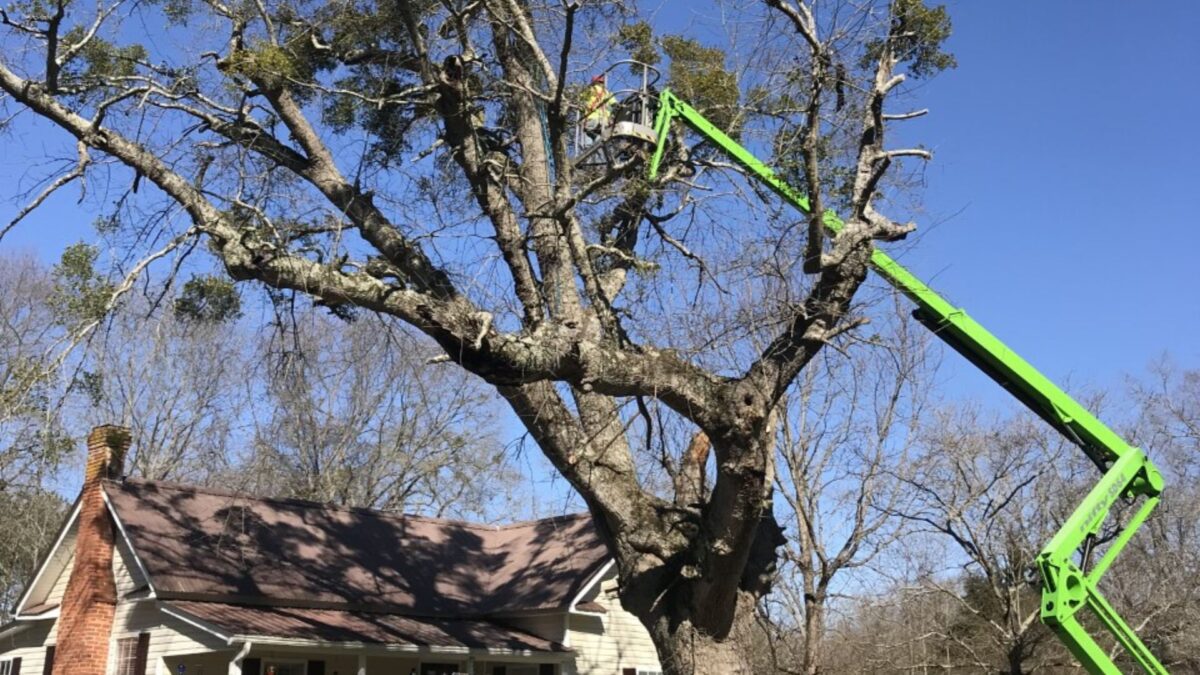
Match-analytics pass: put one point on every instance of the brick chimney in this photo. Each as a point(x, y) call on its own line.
point(86, 617)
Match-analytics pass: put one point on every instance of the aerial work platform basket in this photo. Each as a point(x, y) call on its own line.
point(631, 123)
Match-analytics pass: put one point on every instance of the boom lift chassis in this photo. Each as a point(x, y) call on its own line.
point(1068, 582)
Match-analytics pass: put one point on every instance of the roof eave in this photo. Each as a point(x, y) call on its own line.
point(591, 583)
point(50, 554)
point(276, 641)
point(137, 559)
point(13, 627)
point(51, 613)
point(196, 622)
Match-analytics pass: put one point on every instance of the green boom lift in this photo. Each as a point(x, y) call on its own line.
point(1069, 583)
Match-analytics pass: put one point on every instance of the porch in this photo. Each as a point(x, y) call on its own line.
point(307, 641)
point(281, 660)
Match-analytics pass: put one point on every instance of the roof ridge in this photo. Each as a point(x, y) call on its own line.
point(362, 510)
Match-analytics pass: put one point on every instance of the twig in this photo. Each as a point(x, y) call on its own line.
point(77, 172)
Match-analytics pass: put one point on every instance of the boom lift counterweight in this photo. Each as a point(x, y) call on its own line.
point(1068, 585)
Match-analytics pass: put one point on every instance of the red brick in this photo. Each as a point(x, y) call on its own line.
point(86, 618)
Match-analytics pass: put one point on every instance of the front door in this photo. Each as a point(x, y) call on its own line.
point(439, 668)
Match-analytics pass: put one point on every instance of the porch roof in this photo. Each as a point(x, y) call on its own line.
point(342, 626)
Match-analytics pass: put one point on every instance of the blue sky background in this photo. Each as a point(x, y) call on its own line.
point(1057, 205)
point(1065, 158)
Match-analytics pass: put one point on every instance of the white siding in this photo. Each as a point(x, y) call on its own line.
point(29, 646)
point(52, 583)
point(604, 645)
point(126, 572)
point(130, 617)
point(59, 589)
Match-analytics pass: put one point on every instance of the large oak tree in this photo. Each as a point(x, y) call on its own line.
point(414, 158)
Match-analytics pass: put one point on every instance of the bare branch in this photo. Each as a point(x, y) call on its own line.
point(76, 173)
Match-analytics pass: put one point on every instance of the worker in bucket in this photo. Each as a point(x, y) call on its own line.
point(597, 109)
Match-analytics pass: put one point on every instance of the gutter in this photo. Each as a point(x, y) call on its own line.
point(237, 658)
point(587, 588)
point(13, 628)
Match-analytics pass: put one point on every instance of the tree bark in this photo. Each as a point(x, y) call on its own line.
point(685, 649)
point(814, 633)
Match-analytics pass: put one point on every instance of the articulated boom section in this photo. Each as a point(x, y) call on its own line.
point(1128, 474)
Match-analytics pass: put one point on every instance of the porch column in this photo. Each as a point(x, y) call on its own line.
point(470, 665)
point(362, 664)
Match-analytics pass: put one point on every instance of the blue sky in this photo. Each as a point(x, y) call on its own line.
point(1057, 205)
point(1059, 193)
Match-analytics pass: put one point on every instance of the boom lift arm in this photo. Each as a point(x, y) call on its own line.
point(1127, 473)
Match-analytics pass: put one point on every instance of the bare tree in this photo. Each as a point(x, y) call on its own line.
point(414, 160)
point(847, 433)
point(1153, 580)
point(33, 517)
point(32, 432)
point(179, 385)
point(32, 435)
point(996, 492)
point(355, 418)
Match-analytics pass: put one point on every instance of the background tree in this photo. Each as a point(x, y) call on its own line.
point(33, 517)
point(413, 160)
point(357, 418)
point(205, 396)
point(996, 492)
point(32, 436)
point(179, 382)
point(1152, 580)
point(846, 437)
point(988, 494)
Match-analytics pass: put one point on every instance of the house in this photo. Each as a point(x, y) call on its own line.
point(149, 577)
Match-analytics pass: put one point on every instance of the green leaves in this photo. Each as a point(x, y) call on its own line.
point(95, 68)
point(266, 63)
point(696, 73)
point(208, 299)
point(638, 39)
point(81, 294)
point(916, 39)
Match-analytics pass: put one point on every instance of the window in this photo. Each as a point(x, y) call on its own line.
point(132, 653)
point(126, 656)
point(5, 667)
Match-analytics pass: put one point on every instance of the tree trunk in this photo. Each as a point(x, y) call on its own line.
point(684, 649)
point(814, 627)
point(1016, 659)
